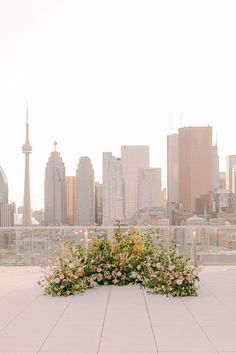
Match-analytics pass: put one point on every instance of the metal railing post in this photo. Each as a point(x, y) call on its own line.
point(194, 249)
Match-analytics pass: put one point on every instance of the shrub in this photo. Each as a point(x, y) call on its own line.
point(100, 262)
point(66, 276)
point(130, 258)
point(120, 261)
point(171, 274)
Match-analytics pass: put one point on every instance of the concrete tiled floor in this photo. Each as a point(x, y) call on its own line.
point(124, 320)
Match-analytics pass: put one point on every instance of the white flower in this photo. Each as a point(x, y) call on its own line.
point(179, 281)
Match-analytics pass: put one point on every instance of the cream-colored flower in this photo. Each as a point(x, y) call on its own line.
point(171, 267)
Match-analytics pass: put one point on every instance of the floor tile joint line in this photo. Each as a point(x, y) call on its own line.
point(218, 299)
point(19, 313)
point(149, 317)
point(58, 319)
point(201, 328)
point(104, 319)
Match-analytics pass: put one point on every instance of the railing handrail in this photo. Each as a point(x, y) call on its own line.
point(100, 227)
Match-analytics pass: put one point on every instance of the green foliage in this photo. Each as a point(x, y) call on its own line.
point(67, 275)
point(121, 261)
point(171, 274)
point(130, 258)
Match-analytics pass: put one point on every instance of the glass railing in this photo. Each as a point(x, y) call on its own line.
point(203, 245)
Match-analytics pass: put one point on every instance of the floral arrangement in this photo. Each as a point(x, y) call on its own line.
point(121, 261)
point(171, 274)
point(130, 258)
point(66, 275)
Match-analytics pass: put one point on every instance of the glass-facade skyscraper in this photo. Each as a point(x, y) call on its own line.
point(55, 190)
point(3, 187)
point(84, 193)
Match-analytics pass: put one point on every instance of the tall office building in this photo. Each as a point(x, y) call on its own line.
point(6, 215)
point(84, 193)
point(195, 165)
point(113, 198)
point(38, 216)
point(233, 178)
point(230, 161)
point(149, 188)
point(3, 187)
point(98, 203)
point(6, 210)
point(70, 199)
point(172, 168)
point(216, 167)
point(55, 190)
point(133, 158)
point(222, 180)
point(27, 149)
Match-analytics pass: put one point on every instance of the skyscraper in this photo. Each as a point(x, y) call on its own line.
point(216, 167)
point(222, 180)
point(3, 187)
point(70, 199)
point(172, 168)
point(195, 165)
point(149, 188)
point(27, 149)
point(84, 193)
point(6, 210)
point(113, 197)
point(6, 215)
point(233, 178)
point(55, 190)
point(230, 161)
point(133, 158)
point(98, 203)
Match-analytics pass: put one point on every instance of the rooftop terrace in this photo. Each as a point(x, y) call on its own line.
point(113, 319)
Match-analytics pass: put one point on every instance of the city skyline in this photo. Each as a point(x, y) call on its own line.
point(102, 75)
point(99, 179)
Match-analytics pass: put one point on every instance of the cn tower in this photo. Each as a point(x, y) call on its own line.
point(27, 149)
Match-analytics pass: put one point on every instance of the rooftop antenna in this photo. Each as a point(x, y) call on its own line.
point(181, 120)
point(27, 121)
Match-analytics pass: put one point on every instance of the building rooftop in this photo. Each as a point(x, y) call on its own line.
point(113, 319)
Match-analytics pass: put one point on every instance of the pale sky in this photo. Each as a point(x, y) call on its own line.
point(100, 74)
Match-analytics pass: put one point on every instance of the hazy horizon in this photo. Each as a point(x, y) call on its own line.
point(99, 75)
